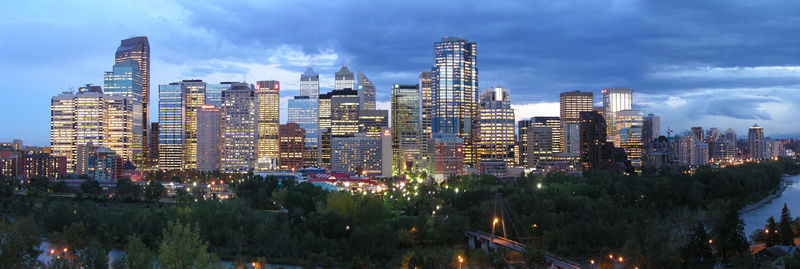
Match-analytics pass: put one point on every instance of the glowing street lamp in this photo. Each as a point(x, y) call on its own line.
point(460, 261)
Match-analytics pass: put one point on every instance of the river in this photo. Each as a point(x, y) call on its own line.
point(755, 219)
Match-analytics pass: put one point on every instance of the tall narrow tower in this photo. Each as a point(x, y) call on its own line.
point(138, 49)
point(268, 95)
point(455, 92)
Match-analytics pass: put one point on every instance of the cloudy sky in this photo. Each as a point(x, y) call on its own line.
point(728, 63)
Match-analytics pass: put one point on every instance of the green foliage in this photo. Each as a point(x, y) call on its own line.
point(94, 256)
point(126, 190)
point(137, 255)
point(699, 247)
point(785, 228)
point(154, 191)
point(91, 187)
point(729, 240)
point(19, 242)
point(182, 247)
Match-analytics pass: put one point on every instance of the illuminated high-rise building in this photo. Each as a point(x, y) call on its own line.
point(325, 129)
point(556, 125)
point(303, 111)
point(571, 104)
point(214, 93)
point(126, 81)
point(522, 143)
point(268, 96)
point(240, 134)
point(194, 96)
point(615, 99)
point(171, 124)
point(455, 92)
point(209, 138)
point(366, 92)
point(122, 133)
point(630, 135)
point(325, 111)
point(426, 100)
point(370, 122)
point(356, 153)
point(91, 117)
point(344, 112)
point(495, 129)
point(730, 142)
point(138, 50)
point(344, 79)
point(544, 136)
point(292, 146)
point(756, 144)
point(406, 126)
point(309, 83)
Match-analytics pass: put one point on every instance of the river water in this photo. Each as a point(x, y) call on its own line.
point(757, 218)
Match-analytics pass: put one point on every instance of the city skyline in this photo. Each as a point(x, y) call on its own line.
point(749, 83)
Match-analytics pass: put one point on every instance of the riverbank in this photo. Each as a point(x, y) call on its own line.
point(768, 199)
point(755, 215)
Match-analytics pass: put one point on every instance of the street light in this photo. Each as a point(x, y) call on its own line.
point(460, 261)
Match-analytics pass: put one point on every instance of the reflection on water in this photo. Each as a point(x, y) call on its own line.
point(756, 219)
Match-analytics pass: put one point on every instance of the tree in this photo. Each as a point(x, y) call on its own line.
point(771, 233)
point(181, 247)
point(785, 227)
point(126, 190)
point(154, 191)
point(137, 255)
point(729, 235)
point(94, 256)
point(90, 186)
point(19, 243)
point(699, 248)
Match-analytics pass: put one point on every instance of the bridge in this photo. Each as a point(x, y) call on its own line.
point(491, 240)
point(488, 241)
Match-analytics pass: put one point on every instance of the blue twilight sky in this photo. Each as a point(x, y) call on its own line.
point(725, 63)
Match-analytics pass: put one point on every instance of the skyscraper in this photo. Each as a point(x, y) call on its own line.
point(344, 79)
point(366, 92)
point(596, 152)
point(309, 83)
point(240, 134)
point(209, 131)
point(370, 122)
point(292, 146)
point(268, 114)
point(522, 142)
point(171, 124)
point(125, 80)
point(755, 142)
point(495, 129)
point(138, 50)
point(455, 92)
point(194, 94)
point(571, 104)
point(91, 117)
point(344, 112)
point(615, 99)
point(303, 111)
point(426, 100)
point(630, 133)
point(356, 153)
point(406, 126)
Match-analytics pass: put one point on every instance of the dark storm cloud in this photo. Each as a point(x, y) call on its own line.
point(535, 48)
point(667, 51)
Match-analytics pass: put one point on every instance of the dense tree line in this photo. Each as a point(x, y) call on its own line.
point(659, 219)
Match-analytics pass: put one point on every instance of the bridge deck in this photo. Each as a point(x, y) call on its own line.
point(521, 248)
